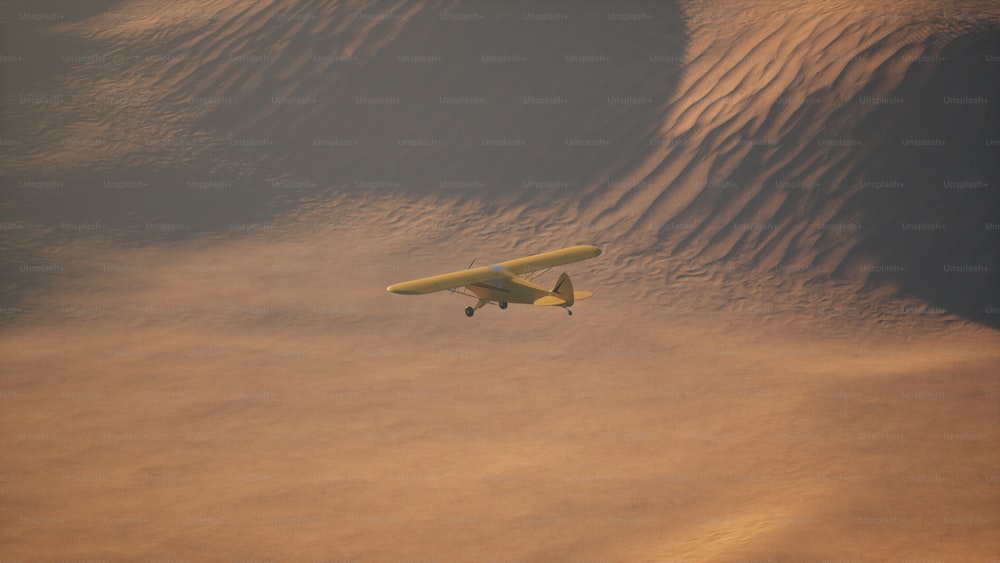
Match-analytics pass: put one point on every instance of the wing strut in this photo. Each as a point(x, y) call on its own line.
point(532, 275)
point(454, 289)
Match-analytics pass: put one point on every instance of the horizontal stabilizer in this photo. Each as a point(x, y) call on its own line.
point(578, 295)
point(550, 301)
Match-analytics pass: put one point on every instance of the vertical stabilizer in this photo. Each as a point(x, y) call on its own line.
point(564, 289)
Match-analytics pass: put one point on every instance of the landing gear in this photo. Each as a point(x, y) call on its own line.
point(568, 312)
point(469, 311)
point(503, 304)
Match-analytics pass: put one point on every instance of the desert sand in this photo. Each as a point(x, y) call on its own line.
point(791, 355)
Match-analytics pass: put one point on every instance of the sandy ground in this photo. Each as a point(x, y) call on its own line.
point(199, 360)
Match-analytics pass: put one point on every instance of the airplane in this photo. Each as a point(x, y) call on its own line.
point(500, 284)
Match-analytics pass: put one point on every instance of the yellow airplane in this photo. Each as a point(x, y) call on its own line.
point(500, 282)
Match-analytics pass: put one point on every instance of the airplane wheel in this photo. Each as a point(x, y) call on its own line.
point(570, 312)
point(469, 311)
point(503, 304)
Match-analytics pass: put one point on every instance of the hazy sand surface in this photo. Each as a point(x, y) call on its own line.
point(791, 354)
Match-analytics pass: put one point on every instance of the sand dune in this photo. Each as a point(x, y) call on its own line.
point(791, 354)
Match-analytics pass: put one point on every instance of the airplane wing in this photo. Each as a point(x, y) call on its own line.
point(517, 266)
point(551, 259)
point(443, 282)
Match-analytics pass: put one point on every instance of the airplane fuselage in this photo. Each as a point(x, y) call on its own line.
point(507, 288)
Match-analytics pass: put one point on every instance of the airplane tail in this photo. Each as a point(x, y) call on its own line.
point(562, 295)
point(564, 290)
